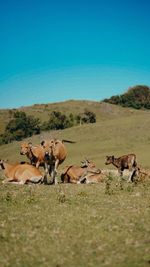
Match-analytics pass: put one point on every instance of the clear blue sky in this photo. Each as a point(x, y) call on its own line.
point(52, 51)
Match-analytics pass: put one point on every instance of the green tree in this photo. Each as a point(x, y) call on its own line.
point(136, 97)
point(58, 121)
point(86, 117)
point(21, 126)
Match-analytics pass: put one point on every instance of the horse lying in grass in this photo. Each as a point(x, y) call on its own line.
point(86, 173)
point(20, 173)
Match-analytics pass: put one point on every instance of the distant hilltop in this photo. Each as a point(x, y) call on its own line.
point(17, 124)
point(136, 97)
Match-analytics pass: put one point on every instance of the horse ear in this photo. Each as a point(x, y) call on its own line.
point(53, 141)
point(42, 143)
point(2, 164)
point(30, 144)
point(87, 160)
point(113, 157)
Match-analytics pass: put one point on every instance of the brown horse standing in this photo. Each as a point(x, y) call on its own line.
point(124, 162)
point(55, 154)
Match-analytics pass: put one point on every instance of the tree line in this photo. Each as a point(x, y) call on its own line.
point(136, 97)
point(22, 125)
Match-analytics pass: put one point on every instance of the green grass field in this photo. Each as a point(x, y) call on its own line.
point(75, 225)
point(81, 225)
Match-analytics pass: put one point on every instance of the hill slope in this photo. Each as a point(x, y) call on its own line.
point(117, 131)
point(42, 111)
point(94, 227)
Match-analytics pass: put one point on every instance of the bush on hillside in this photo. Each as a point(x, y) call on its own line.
point(86, 117)
point(136, 97)
point(59, 121)
point(21, 126)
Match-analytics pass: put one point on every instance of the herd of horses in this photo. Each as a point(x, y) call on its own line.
point(50, 154)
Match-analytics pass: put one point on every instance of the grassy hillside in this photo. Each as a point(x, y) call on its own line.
point(88, 226)
point(102, 110)
point(117, 131)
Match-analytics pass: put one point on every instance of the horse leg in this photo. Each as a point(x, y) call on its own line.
point(55, 171)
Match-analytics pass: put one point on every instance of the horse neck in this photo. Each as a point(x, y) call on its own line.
point(115, 162)
point(85, 167)
point(7, 167)
point(93, 169)
point(30, 153)
point(54, 150)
